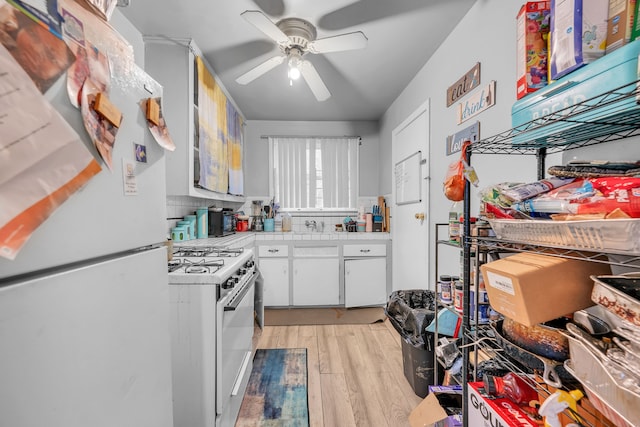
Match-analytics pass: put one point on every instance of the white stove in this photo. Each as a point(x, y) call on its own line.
point(212, 323)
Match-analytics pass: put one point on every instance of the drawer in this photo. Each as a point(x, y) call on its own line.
point(315, 251)
point(273, 251)
point(364, 250)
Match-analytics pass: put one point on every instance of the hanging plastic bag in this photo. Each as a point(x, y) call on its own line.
point(454, 179)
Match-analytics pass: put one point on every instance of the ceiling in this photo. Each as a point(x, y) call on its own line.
point(402, 35)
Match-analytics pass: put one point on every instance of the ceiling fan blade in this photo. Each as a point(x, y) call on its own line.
point(348, 41)
point(264, 24)
point(314, 81)
point(271, 7)
point(259, 70)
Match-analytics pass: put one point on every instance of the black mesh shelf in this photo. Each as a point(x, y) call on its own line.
point(603, 118)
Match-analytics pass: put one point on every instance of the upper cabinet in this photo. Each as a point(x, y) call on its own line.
point(173, 63)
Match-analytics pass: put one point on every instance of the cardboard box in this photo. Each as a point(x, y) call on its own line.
point(620, 23)
point(441, 408)
point(532, 288)
point(489, 412)
point(531, 55)
point(578, 34)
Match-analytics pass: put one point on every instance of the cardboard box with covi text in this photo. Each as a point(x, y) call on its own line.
point(494, 412)
point(532, 288)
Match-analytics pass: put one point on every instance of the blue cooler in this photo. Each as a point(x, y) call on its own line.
point(589, 83)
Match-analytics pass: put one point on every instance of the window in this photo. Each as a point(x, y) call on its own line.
point(314, 172)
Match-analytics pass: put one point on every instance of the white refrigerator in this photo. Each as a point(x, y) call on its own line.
point(84, 307)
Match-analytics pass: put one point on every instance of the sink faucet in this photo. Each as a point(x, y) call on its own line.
point(311, 224)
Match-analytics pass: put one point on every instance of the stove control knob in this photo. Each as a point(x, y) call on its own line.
point(228, 284)
point(243, 271)
point(249, 264)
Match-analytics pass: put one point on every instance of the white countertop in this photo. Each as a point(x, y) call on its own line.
point(244, 239)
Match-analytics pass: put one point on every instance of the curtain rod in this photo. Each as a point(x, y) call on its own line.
point(310, 136)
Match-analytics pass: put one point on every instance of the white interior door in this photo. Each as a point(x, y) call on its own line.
point(410, 221)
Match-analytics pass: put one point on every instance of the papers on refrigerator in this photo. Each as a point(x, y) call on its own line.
point(42, 159)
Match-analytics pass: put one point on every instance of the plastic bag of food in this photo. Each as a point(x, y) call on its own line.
point(454, 180)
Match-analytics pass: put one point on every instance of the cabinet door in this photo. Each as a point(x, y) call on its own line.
point(316, 281)
point(365, 282)
point(276, 281)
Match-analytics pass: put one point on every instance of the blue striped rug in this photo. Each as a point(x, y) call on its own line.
point(277, 391)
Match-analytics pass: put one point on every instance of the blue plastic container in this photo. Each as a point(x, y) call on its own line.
point(202, 225)
point(617, 70)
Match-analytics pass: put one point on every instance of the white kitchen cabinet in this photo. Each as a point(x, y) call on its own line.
point(273, 261)
point(316, 276)
point(172, 63)
point(365, 275)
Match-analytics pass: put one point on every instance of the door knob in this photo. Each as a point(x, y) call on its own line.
point(420, 216)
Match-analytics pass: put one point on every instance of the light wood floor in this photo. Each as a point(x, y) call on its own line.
point(355, 373)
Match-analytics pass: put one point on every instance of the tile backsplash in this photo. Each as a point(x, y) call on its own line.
point(179, 206)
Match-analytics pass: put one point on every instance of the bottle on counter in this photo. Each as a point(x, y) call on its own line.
point(286, 222)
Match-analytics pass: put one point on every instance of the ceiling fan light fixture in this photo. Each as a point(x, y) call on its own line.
point(294, 71)
point(295, 59)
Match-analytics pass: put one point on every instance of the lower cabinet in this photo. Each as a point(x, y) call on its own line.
point(273, 261)
point(316, 277)
point(307, 274)
point(365, 275)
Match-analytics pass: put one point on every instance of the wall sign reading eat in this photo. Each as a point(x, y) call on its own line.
point(464, 85)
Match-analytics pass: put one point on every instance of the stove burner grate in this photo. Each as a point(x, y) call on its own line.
point(203, 266)
point(206, 251)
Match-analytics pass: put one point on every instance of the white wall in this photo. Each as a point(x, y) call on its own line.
point(256, 148)
point(486, 35)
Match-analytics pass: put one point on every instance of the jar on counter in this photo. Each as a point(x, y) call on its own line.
point(286, 222)
point(194, 225)
point(202, 223)
point(187, 227)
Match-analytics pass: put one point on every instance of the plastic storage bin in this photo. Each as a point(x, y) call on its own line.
point(618, 70)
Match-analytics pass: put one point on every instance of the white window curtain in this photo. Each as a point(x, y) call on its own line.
point(315, 172)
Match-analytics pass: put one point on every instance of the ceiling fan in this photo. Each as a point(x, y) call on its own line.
point(296, 37)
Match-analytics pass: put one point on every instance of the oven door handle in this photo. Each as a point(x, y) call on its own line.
point(240, 295)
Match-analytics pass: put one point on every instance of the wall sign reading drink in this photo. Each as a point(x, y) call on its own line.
point(478, 102)
point(464, 85)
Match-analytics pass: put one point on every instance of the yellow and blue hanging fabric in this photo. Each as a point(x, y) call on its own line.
point(212, 135)
point(235, 143)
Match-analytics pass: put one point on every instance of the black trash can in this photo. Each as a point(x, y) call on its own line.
point(410, 312)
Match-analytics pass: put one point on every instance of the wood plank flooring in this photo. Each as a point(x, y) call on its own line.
point(355, 377)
